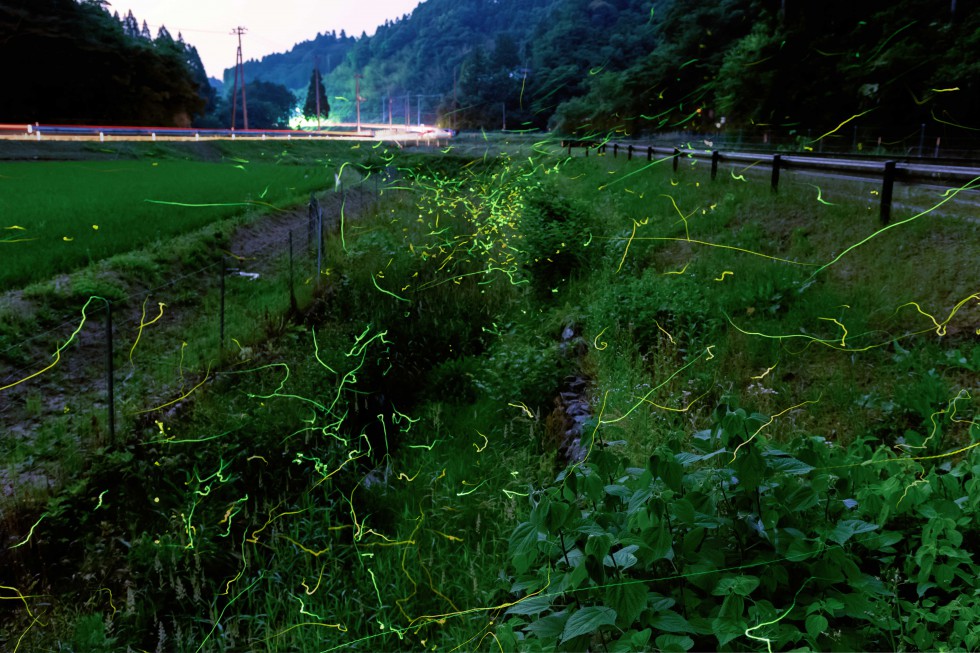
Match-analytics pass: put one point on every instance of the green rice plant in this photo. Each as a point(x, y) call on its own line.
point(64, 215)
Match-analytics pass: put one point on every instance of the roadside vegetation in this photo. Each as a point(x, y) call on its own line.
point(777, 449)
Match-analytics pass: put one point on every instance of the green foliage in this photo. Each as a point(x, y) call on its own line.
point(316, 105)
point(734, 531)
point(85, 68)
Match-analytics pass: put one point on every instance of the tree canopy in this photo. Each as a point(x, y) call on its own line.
point(73, 62)
point(316, 104)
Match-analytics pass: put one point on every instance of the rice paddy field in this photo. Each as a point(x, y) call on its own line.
point(59, 216)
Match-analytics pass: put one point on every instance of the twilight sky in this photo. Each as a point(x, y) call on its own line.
point(273, 25)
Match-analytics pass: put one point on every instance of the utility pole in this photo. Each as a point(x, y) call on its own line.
point(357, 98)
point(239, 72)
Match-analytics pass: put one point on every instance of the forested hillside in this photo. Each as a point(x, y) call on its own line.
point(638, 66)
point(72, 62)
point(292, 69)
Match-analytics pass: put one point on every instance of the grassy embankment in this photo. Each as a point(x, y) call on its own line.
point(739, 386)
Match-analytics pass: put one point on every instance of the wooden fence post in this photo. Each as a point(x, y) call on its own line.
point(887, 184)
point(650, 153)
point(677, 156)
point(615, 150)
point(715, 156)
point(776, 161)
point(110, 374)
point(629, 153)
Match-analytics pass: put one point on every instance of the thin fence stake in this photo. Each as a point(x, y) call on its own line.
point(650, 153)
point(615, 150)
point(110, 374)
point(221, 314)
point(677, 156)
point(715, 156)
point(887, 184)
point(776, 162)
point(319, 242)
point(292, 290)
point(629, 153)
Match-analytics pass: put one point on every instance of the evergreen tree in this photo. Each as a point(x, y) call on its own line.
point(145, 32)
point(131, 28)
point(310, 107)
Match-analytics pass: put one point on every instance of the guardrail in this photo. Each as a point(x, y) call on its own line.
point(889, 171)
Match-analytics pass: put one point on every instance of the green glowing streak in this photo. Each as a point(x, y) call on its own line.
point(99, 504)
point(950, 195)
point(776, 620)
point(463, 494)
point(197, 206)
point(388, 292)
point(316, 352)
point(842, 124)
point(893, 35)
point(57, 353)
point(192, 440)
point(227, 605)
point(635, 172)
point(731, 247)
point(820, 197)
point(652, 390)
point(427, 447)
point(31, 532)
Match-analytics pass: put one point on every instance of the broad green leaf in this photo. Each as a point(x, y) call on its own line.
point(943, 575)
point(661, 544)
point(549, 627)
point(675, 643)
point(587, 621)
point(631, 641)
point(732, 607)
point(620, 491)
point(628, 600)
point(532, 605)
point(815, 625)
point(524, 538)
point(639, 640)
point(788, 465)
point(558, 516)
point(741, 585)
point(848, 528)
point(727, 629)
point(598, 546)
point(577, 576)
point(540, 512)
point(671, 622)
point(683, 511)
point(622, 559)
